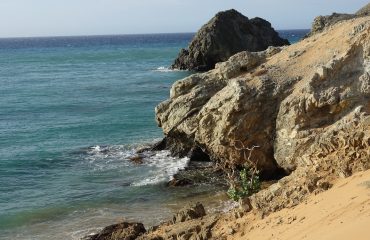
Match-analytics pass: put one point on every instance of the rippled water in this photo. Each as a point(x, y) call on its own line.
point(72, 111)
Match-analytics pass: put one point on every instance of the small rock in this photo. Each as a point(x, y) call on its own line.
point(179, 182)
point(189, 213)
point(121, 231)
point(245, 205)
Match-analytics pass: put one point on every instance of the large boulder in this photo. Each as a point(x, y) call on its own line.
point(303, 105)
point(205, 110)
point(227, 33)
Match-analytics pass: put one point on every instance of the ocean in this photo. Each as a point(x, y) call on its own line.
point(73, 110)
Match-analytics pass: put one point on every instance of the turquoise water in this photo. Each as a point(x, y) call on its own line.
point(72, 111)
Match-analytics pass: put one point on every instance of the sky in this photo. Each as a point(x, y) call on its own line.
point(27, 18)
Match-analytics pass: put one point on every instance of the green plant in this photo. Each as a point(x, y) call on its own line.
point(246, 184)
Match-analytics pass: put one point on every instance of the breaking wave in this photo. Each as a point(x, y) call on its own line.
point(156, 167)
point(166, 69)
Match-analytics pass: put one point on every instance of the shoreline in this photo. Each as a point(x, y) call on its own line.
point(297, 115)
point(316, 133)
point(312, 218)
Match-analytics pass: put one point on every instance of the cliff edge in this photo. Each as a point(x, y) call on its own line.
point(303, 105)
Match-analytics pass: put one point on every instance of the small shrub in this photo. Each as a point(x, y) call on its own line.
point(245, 182)
point(245, 185)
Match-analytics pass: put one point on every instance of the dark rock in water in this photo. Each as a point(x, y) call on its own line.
point(121, 231)
point(189, 213)
point(227, 33)
point(178, 145)
point(199, 173)
point(138, 159)
point(181, 146)
point(179, 182)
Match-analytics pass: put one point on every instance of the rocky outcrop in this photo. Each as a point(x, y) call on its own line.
point(201, 104)
point(191, 222)
point(121, 231)
point(322, 22)
point(189, 213)
point(306, 107)
point(188, 224)
point(303, 105)
point(227, 33)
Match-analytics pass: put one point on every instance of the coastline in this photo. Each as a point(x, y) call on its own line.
point(298, 115)
point(311, 174)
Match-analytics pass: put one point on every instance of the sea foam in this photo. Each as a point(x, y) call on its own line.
point(163, 167)
point(157, 166)
point(166, 69)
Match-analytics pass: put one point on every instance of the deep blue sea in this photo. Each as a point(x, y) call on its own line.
point(72, 111)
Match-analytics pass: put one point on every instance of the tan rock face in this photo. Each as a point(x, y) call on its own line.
point(322, 22)
point(327, 117)
point(303, 105)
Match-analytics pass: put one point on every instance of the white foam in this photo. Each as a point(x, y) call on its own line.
point(80, 234)
point(166, 69)
point(157, 166)
point(108, 157)
point(162, 168)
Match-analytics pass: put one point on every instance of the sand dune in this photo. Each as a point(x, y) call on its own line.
point(342, 212)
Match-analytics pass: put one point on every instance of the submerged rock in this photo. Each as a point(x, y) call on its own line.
point(227, 33)
point(176, 182)
point(137, 159)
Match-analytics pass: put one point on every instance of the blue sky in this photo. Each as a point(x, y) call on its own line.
point(20, 18)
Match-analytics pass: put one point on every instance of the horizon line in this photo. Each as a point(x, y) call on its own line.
point(121, 34)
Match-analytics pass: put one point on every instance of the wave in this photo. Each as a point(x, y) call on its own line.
point(157, 166)
point(166, 69)
point(101, 158)
point(162, 168)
